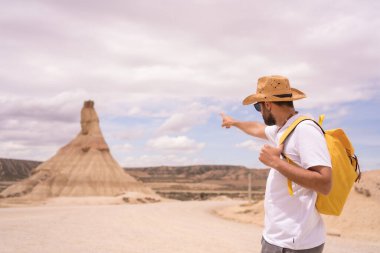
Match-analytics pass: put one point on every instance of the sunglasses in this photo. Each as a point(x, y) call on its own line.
point(257, 106)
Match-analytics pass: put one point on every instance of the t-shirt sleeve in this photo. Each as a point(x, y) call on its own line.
point(270, 132)
point(311, 145)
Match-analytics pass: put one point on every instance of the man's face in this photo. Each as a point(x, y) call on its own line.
point(268, 118)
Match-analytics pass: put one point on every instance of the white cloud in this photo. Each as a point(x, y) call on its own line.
point(178, 122)
point(122, 148)
point(153, 63)
point(158, 160)
point(137, 50)
point(254, 145)
point(61, 107)
point(125, 133)
point(32, 128)
point(187, 117)
point(175, 144)
point(16, 150)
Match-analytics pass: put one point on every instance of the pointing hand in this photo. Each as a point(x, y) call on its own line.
point(227, 121)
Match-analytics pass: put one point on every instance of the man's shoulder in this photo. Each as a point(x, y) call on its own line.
point(309, 125)
point(271, 132)
point(309, 132)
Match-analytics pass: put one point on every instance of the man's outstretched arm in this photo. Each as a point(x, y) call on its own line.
point(255, 129)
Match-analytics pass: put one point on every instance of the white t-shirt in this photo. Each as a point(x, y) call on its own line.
point(293, 221)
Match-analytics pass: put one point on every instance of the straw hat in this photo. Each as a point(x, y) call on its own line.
point(273, 89)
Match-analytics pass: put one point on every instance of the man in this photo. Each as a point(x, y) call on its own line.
point(292, 223)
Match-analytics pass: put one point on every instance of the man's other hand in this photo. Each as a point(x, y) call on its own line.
point(270, 156)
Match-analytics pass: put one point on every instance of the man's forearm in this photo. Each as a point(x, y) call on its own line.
point(317, 178)
point(255, 129)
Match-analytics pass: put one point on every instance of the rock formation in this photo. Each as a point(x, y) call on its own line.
point(83, 167)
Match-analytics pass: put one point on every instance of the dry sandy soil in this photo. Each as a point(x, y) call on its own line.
point(165, 227)
point(359, 221)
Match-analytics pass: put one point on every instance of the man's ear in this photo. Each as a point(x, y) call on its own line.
point(268, 106)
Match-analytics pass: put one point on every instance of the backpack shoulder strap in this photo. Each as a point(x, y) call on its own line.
point(291, 128)
point(286, 134)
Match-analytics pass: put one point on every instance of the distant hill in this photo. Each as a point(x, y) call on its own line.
point(196, 172)
point(201, 182)
point(170, 181)
point(228, 174)
point(15, 170)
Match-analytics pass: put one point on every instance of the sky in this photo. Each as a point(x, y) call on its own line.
point(160, 73)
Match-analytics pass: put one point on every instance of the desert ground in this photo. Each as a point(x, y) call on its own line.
point(163, 227)
point(215, 224)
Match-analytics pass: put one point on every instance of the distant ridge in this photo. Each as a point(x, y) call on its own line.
point(16, 169)
point(177, 182)
point(196, 173)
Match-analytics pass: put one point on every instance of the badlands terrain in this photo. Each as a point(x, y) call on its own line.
point(216, 224)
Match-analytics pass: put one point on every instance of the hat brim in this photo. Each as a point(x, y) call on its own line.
point(254, 98)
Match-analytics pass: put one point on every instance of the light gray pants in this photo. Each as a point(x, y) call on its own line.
point(270, 248)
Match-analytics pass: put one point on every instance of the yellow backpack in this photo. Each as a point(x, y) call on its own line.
point(345, 168)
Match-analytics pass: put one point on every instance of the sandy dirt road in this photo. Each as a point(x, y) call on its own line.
point(168, 227)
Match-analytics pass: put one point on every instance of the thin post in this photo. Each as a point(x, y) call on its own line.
point(249, 187)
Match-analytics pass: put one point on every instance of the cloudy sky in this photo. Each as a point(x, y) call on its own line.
point(160, 72)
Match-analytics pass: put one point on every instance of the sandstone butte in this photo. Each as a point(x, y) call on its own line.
point(83, 167)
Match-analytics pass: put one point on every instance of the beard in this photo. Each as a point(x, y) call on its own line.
point(268, 118)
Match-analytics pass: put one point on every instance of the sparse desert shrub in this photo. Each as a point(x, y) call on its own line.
point(363, 191)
